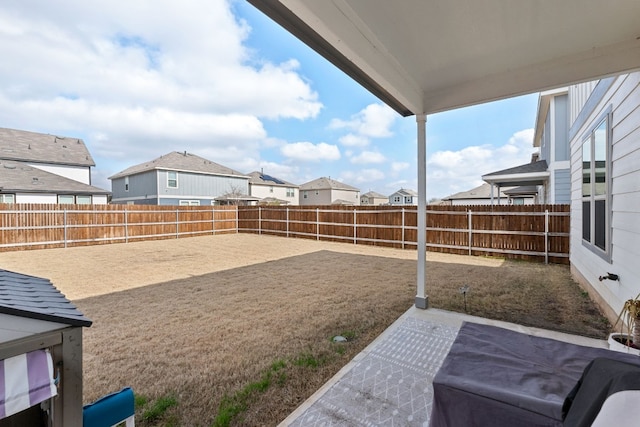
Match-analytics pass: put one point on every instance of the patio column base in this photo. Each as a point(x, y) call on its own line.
point(422, 302)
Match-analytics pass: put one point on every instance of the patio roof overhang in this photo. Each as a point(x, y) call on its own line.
point(424, 56)
point(521, 179)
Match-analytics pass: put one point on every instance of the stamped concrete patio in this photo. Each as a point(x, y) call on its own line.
point(390, 382)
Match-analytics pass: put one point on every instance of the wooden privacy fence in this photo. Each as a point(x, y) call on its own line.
point(533, 232)
point(38, 226)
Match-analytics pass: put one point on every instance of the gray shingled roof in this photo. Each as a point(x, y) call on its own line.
point(20, 177)
point(325, 183)
point(35, 147)
point(256, 177)
point(406, 192)
point(481, 192)
point(374, 195)
point(37, 298)
point(180, 161)
point(539, 166)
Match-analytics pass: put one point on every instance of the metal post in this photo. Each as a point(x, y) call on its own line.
point(317, 224)
point(402, 228)
point(65, 228)
point(421, 300)
point(355, 226)
point(470, 231)
point(546, 236)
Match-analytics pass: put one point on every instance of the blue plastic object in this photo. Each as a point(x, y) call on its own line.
point(109, 410)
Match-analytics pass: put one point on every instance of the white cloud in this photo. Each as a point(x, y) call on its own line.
point(374, 121)
point(140, 79)
point(351, 140)
point(449, 172)
point(309, 152)
point(368, 157)
point(368, 176)
point(399, 166)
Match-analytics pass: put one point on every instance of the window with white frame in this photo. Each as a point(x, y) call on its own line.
point(189, 202)
point(305, 194)
point(596, 167)
point(66, 199)
point(271, 189)
point(83, 200)
point(396, 199)
point(7, 198)
point(291, 192)
point(172, 179)
point(126, 183)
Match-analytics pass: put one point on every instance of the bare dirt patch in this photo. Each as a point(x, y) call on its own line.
point(199, 319)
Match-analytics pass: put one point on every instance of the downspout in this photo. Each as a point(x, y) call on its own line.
point(422, 300)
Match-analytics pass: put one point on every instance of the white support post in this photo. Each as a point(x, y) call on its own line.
point(422, 301)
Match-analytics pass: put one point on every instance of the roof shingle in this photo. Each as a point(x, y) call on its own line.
point(35, 147)
point(37, 298)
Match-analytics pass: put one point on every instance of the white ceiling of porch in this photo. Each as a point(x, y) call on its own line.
point(426, 56)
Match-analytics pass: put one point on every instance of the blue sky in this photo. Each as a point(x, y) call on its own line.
point(219, 79)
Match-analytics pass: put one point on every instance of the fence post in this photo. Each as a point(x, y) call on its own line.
point(213, 220)
point(65, 228)
point(402, 228)
point(287, 221)
point(355, 226)
point(469, 215)
point(259, 220)
point(126, 226)
point(546, 236)
point(177, 219)
point(317, 223)
point(237, 220)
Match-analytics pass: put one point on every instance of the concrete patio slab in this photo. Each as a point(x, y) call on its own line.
point(390, 382)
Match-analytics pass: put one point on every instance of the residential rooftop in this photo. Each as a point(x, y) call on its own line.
point(23, 178)
point(325, 183)
point(25, 146)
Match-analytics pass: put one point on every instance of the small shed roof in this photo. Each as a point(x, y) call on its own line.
point(35, 147)
point(180, 161)
point(23, 178)
point(37, 298)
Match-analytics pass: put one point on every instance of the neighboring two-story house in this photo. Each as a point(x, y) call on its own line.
point(549, 169)
point(178, 178)
point(327, 191)
point(43, 168)
point(371, 198)
point(404, 197)
point(272, 190)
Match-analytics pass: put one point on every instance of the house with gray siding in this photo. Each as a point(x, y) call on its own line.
point(43, 168)
point(549, 170)
point(604, 133)
point(177, 178)
point(480, 195)
point(327, 191)
point(404, 197)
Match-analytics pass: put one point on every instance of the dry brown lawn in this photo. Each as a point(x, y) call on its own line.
point(202, 318)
